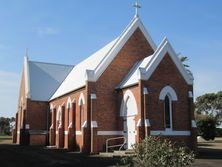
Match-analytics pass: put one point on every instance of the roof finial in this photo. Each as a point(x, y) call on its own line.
point(137, 6)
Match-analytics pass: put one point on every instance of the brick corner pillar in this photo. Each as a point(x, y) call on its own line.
point(194, 135)
point(85, 138)
point(60, 142)
point(94, 144)
point(24, 131)
point(52, 136)
point(145, 108)
point(14, 135)
point(71, 137)
point(60, 137)
point(147, 127)
point(192, 122)
point(141, 123)
point(52, 129)
point(72, 128)
point(15, 129)
point(140, 131)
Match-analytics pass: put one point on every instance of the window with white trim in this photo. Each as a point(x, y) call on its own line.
point(168, 112)
point(168, 95)
point(59, 117)
point(81, 114)
point(69, 114)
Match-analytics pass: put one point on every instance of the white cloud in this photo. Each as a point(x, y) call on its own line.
point(42, 31)
point(9, 88)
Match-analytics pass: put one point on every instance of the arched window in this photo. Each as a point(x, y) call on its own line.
point(168, 112)
point(59, 117)
point(69, 103)
point(168, 95)
point(81, 114)
point(81, 103)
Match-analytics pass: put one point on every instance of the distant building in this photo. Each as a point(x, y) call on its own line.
point(130, 88)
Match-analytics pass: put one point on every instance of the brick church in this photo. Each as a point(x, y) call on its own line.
point(129, 89)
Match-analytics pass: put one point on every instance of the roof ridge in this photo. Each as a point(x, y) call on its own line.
point(117, 40)
point(58, 64)
point(60, 84)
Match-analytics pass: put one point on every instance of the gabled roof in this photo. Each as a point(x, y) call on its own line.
point(145, 68)
point(132, 77)
point(93, 67)
point(42, 79)
point(77, 77)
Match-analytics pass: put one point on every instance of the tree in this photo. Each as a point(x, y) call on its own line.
point(210, 104)
point(206, 126)
point(184, 59)
point(6, 125)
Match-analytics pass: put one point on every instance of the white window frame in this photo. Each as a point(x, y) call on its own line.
point(171, 113)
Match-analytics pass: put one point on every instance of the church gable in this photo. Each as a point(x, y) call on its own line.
point(94, 66)
point(145, 68)
point(166, 48)
point(134, 27)
point(167, 73)
point(135, 49)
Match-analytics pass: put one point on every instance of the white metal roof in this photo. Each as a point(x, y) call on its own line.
point(133, 76)
point(45, 78)
point(77, 77)
point(99, 61)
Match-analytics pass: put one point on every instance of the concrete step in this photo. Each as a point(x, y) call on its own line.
point(106, 154)
point(122, 153)
point(125, 152)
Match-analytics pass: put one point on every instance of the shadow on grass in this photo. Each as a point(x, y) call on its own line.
point(5, 138)
point(205, 144)
point(22, 156)
point(209, 153)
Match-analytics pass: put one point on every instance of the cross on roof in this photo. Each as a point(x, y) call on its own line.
point(137, 6)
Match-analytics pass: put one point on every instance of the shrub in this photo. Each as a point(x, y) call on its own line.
point(156, 152)
point(206, 127)
point(218, 132)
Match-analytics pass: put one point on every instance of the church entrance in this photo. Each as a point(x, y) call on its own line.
point(130, 131)
point(128, 112)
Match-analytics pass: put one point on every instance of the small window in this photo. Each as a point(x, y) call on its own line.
point(59, 117)
point(168, 112)
point(81, 113)
point(70, 116)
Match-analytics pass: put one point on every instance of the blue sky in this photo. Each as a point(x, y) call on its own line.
point(68, 31)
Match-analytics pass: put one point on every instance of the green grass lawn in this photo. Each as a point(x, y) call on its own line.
point(5, 139)
point(210, 155)
point(33, 156)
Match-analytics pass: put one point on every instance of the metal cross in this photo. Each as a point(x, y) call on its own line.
point(137, 6)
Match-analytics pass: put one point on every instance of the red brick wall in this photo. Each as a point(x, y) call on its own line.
point(36, 115)
point(135, 49)
point(37, 139)
point(167, 74)
point(107, 102)
point(63, 100)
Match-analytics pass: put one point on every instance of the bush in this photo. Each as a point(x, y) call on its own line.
point(156, 152)
point(206, 127)
point(218, 132)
